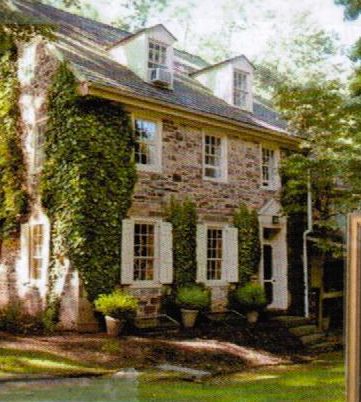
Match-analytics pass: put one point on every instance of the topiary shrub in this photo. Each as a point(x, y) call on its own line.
point(117, 304)
point(193, 297)
point(183, 217)
point(251, 297)
point(15, 319)
point(249, 246)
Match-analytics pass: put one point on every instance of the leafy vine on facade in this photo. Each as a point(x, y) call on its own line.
point(87, 181)
point(13, 195)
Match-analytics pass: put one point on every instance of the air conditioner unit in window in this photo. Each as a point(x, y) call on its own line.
point(160, 76)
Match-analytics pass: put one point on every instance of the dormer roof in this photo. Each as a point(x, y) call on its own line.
point(83, 43)
point(224, 62)
point(155, 28)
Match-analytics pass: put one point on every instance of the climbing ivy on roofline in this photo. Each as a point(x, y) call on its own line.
point(87, 181)
point(13, 196)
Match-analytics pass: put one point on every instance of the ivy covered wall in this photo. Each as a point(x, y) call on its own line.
point(13, 195)
point(87, 181)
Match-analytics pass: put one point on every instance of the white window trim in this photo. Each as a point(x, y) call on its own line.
point(247, 92)
point(169, 59)
point(224, 158)
point(33, 168)
point(42, 279)
point(223, 280)
point(157, 42)
point(155, 167)
point(275, 183)
point(156, 279)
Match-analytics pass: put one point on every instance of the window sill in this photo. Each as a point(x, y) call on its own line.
point(215, 283)
point(270, 188)
point(149, 168)
point(213, 180)
point(146, 285)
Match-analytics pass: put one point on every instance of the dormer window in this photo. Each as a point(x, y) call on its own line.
point(240, 89)
point(157, 55)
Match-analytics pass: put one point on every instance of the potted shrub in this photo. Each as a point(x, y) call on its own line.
point(191, 299)
point(117, 307)
point(252, 299)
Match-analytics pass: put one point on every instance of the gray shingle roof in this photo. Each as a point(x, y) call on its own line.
point(77, 33)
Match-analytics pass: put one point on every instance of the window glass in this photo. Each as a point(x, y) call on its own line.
point(145, 142)
point(240, 88)
point(37, 250)
point(157, 57)
point(214, 253)
point(212, 157)
point(268, 167)
point(39, 142)
point(144, 252)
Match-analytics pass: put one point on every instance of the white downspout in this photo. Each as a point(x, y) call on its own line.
point(305, 234)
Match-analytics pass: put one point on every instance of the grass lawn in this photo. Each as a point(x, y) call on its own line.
point(321, 380)
point(27, 362)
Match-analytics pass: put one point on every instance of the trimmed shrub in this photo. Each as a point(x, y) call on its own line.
point(183, 217)
point(193, 298)
point(251, 297)
point(14, 319)
point(117, 304)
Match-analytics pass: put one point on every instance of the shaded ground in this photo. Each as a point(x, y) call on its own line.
point(319, 381)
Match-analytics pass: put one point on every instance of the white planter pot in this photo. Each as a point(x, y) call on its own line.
point(114, 325)
point(189, 317)
point(252, 317)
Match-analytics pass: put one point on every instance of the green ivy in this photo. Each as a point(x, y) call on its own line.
point(249, 247)
point(87, 181)
point(13, 197)
point(183, 217)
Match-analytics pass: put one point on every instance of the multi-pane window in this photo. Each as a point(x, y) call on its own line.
point(146, 142)
point(240, 88)
point(144, 252)
point(157, 56)
point(268, 167)
point(214, 253)
point(39, 142)
point(213, 157)
point(36, 250)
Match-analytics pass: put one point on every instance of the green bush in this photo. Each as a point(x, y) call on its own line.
point(14, 319)
point(251, 297)
point(117, 304)
point(193, 298)
point(183, 217)
point(249, 246)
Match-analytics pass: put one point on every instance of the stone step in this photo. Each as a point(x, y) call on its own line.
point(312, 339)
point(323, 347)
point(158, 325)
point(291, 321)
point(304, 330)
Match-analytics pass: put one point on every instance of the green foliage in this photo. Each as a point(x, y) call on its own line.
point(15, 319)
point(117, 304)
point(251, 297)
point(51, 315)
point(249, 247)
point(13, 198)
point(87, 181)
point(183, 217)
point(193, 297)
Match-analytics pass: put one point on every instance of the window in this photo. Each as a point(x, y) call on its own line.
point(36, 250)
point(240, 88)
point(214, 157)
point(157, 56)
point(214, 253)
point(144, 255)
point(269, 169)
point(39, 142)
point(147, 145)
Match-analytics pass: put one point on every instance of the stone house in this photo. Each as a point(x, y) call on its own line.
point(203, 133)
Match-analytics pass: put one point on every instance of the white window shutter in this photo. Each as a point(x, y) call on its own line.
point(166, 253)
point(127, 251)
point(230, 261)
point(25, 248)
point(201, 253)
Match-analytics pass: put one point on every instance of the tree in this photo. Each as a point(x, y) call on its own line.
point(319, 111)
